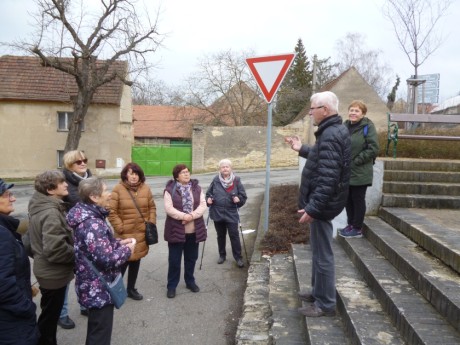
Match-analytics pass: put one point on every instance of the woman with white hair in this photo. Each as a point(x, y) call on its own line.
point(225, 196)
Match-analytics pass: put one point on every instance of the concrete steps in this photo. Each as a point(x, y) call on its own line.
point(400, 283)
point(322, 330)
point(288, 327)
point(421, 184)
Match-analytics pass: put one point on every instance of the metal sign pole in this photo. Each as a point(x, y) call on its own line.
point(267, 168)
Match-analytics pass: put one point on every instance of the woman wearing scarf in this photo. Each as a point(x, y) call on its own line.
point(225, 196)
point(127, 221)
point(75, 170)
point(184, 227)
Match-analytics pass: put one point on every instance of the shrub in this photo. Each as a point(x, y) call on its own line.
point(284, 227)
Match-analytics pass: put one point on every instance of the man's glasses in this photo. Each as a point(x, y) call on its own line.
point(7, 195)
point(81, 161)
point(313, 108)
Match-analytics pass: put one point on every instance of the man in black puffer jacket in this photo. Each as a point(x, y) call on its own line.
point(323, 195)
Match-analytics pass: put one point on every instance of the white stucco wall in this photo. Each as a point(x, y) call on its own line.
point(31, 139)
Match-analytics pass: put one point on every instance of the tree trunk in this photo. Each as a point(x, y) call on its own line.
point(81, 106)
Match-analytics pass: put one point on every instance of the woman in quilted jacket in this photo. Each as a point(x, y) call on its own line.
point(127, 220)
point(184, 227)
point(364, 150)
point(95, 242)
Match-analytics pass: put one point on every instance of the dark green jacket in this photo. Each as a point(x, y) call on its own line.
point(363, 152)
point(51, 240)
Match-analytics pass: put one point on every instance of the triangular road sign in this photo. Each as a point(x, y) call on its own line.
point(269, 72)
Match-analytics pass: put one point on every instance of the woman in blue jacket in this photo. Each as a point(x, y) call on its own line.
point(225, 196)
point(18, 323)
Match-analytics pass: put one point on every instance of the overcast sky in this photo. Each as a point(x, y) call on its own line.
point(271, 27)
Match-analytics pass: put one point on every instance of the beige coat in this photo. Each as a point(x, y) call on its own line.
point(126, 220)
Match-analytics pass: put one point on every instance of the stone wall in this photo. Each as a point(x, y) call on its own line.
point(245, 146)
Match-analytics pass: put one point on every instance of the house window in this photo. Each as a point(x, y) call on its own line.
point(60, 158)
point(64, 120)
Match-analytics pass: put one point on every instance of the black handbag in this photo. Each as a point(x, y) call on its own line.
point(151, 233)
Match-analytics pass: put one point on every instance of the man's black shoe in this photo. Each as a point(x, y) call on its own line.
point(66, 322)
point(171, 293)
point(132, 293)
point(221, 260)
point(84, 312)
point(240, 263)
point(193, 287)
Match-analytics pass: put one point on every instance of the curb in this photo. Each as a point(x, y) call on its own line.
point(256, 319)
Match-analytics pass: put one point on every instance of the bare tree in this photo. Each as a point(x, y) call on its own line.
point(353, 52)
point(156, 92)
point(225, 91)
point(414, 23)
point(325, 72)
point(75, 40)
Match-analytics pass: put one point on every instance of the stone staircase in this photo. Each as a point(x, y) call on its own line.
point(400, 284)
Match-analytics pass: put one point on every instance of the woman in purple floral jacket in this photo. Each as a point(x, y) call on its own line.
point(94, 240)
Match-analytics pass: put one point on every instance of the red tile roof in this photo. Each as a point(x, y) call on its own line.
point(161, 121)
point(25, 78)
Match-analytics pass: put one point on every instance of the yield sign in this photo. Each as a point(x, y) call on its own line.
point(269, 72)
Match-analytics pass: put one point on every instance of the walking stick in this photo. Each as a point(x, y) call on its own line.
point(242, 236)
point(204, 243)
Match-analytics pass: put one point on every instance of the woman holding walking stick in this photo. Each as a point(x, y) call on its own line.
point(184, 227)
point(225, 195)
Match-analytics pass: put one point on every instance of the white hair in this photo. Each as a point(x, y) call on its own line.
point(328, 99)
point(225, 161)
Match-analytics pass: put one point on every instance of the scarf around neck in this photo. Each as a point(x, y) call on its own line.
point(227, 182)
point(132, 186)
point(185, 191)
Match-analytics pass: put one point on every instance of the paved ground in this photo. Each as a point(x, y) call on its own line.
point(208, 317)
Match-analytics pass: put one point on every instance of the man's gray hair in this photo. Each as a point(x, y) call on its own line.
point(327, 98)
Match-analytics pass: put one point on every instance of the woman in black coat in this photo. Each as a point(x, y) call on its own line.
point(75, 170)
point(18, 322)
point(225, 196)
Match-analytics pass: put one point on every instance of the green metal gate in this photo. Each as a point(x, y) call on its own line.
point(159, 160)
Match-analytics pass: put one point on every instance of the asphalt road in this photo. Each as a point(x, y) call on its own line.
point(208, 317)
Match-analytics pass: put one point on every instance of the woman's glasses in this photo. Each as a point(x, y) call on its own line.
point(81, 161)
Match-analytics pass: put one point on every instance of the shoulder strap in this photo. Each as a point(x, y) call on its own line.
point(365, 130)
point(135, 204)
point(95, 270)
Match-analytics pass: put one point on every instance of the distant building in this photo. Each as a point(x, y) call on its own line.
point(163, 124)
point(449, 106)
point(349, 86)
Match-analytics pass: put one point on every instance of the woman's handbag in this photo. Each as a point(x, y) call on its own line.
point(116, 288)
point(151, 233)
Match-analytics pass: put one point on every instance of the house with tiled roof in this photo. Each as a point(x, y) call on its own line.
point(35, 110)
point(164, 124)
point(349, 86)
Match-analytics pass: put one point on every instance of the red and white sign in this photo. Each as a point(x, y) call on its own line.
point(269, 72)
